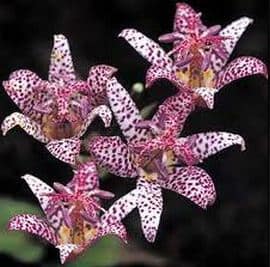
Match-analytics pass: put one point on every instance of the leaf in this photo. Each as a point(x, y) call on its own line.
point(147, 110)
point(105, 252)
point(18, 244)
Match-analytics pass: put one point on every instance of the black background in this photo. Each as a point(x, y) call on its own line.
point(234, 232)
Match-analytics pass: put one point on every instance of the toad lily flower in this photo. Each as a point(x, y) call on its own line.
point(151, 165)
point(193, 41)
point(58, 111)
point(73, 220)
point(200, 54)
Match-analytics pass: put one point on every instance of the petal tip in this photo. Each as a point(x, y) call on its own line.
point(122, 33)
point(250, 20)
point(10, 225)
point(26, 177)
point(242, 144)
point(6, 126)
point(151, 239)
point(148, 84)
point(4, 131)
point(65, 251)
point(5, 84)
point(150, 234)
point(112, 71)
point(126, 32)
point(59, 36)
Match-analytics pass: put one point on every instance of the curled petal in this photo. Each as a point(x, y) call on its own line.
point(146, 47)
point(204, 145)
point(110, 222)
point(231, 35)
point(40, 190)
point(121, 207)
point(112, 154)
point(97, 80)
point(99, 75)
point(103, 112)
point(233, 32)
point(61, 67)
point(29, 126)
point(110, 226)
point(65, 150)
point(21, 87)
point(125, 111)
point(155, 72)
point(150, 204)
point(206, 96)
point(66, 251)
point(119, 230)
point(33, 225)
point(85, 178)
point(193, 183)
point(239, 68)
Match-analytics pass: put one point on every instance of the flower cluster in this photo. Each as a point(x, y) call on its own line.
point(58, 111)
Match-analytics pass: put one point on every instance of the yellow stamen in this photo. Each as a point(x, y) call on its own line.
point(65, 234)
point(183, 76)
point(169, 158)
point(148, 176)
point(78, 236)
point(89, 233)
point(208, 78)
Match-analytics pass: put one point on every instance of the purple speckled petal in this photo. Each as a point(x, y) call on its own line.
point(204, 145)
point(239, 68)
point(33, 225)
point(66, 150)
point(155, 72)
point(66, 251)
point(186, 19)
point(113, 154)
point(61, 67)
point(150, 205)
point(21, 87)
point(191, 182)
point(149, 49)
point(125, 111)
point(231, 34)
point(41, 190)
point(29, 126)
point(111, 225)
point(206, 96)
point(85, 178)
point(103, 112)
point(97, 80)
point(174, 111)
point(122, 206)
